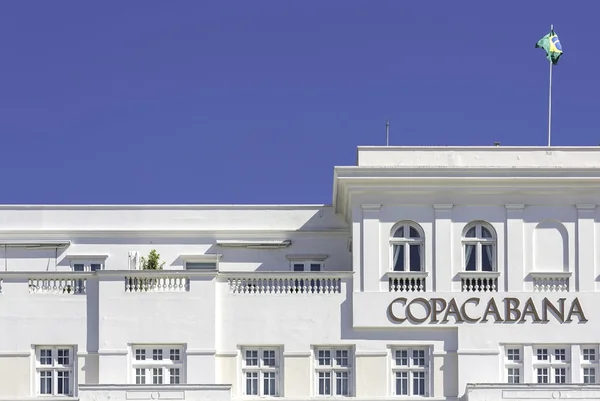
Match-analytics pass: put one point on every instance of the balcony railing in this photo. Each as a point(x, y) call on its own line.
point(550, 281)
point(157, 281)
point(479, 281)
point(67, 284)
point(406, 281)
point(286, 282)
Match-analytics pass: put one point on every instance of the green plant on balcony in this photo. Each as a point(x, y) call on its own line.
point(152, 262)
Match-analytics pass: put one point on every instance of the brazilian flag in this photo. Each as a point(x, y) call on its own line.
point(551, 44)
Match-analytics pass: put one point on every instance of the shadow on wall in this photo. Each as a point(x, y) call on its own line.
point(551, 247)
point(22, 259)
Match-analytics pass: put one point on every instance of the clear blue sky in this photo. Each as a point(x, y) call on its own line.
point(256, 101)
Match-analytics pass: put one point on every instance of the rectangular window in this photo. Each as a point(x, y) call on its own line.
point(260, 370)
point(513, 363)
point(551, 364)
point(87, 265)
point(307, 266)
point(333, 369)
point(201, 265)
point(55, 370)
point(589, 364)
point(410, 371)
point(158, 364)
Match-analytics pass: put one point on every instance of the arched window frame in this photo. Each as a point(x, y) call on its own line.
point(479, 241)
point(410, 244)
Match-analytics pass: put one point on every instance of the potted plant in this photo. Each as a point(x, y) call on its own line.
point(152, 262)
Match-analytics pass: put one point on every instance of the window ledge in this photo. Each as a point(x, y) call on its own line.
point(465, 274)
point(407, 274)
point(550, 274)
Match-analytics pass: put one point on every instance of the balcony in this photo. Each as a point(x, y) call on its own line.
point(479, 281)
point(406, 281)
point(157, 281)
point(52, 283)
point(212, 392)
point(285, 283)
point(550, 281)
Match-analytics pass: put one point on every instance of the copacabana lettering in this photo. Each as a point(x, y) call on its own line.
point(473, 310)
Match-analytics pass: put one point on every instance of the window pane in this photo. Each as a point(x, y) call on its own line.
point(269, 358)
point(398, 258)
point(269, 383)
point(157, 377)
point(78, 267)
point(542, 375)
point(399, 232)
point(140, 354)
point(560, 354)
point(252, 383)
point(174, 355)
point(589, 354)
point(324, 357)
point(315, 267)
point(470, 257)
point(324, 383)
point(542, 354)
point(251, 358)
point(589, 375)
point(414, 233)
point(487, 258)
point(46, 357)
point(95, 267)
point(560, 375)
point(341, 383)
point(298, 267)
point(415, 258)
point(341, 357)
point(418, 383)
point(513, 354)
point(418, 358)
point(174, 375)
point(200, 265)
point(471, 233)
point(45, 382)
point(62, 384)
point(401, 383)
point(62, 357)
point(140, 376)
point(402, 357)
point(157, 354)
point(485, 233)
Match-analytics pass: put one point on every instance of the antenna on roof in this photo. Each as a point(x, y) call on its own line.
point(387, 133)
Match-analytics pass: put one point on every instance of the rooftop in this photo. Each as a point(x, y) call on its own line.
point(479, 156)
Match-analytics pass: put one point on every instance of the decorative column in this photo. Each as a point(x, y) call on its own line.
point(583, 278)
point(443, 270)
point(371, 247)
point(514, 271)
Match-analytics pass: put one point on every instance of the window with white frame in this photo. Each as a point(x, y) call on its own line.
point(55, 371)
point(407, 248)
point(333, 371)
point(551, 364)
point(158, 364)
point(260, 372)
point(479, 247)
point(87, 265)
point(307, 265)
point(513, 364)
point(410, 371)
point(589, 364)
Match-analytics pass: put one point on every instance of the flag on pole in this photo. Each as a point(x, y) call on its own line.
point(551, 44)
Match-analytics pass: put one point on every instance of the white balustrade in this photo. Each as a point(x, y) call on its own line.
point(406, 281)
point(550, 282)
point(157, 282)
point(57, 285)
point(479, 281)
point(298, 283)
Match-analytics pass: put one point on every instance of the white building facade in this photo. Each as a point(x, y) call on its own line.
point(437, 273)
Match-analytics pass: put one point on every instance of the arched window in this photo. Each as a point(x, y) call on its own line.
point(479, 245)
point(407, 248)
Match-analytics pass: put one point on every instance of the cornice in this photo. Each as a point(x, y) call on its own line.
point(208, 234)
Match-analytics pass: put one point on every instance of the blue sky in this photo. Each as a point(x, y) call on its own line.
point(256, 101)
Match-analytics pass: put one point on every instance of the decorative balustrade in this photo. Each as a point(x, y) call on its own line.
point(156, 281)
point(286, 282)
point(406, 281)
point(551, 281)
point(65, 283)
point(479, 281)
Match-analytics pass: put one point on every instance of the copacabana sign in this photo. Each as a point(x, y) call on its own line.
point(473, 310)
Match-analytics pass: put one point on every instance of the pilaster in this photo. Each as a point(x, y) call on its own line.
point(443, 270)
point(514, 270)
point(585, 269)
point(371, 247)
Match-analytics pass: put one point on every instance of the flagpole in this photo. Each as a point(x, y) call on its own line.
point(550, 99)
